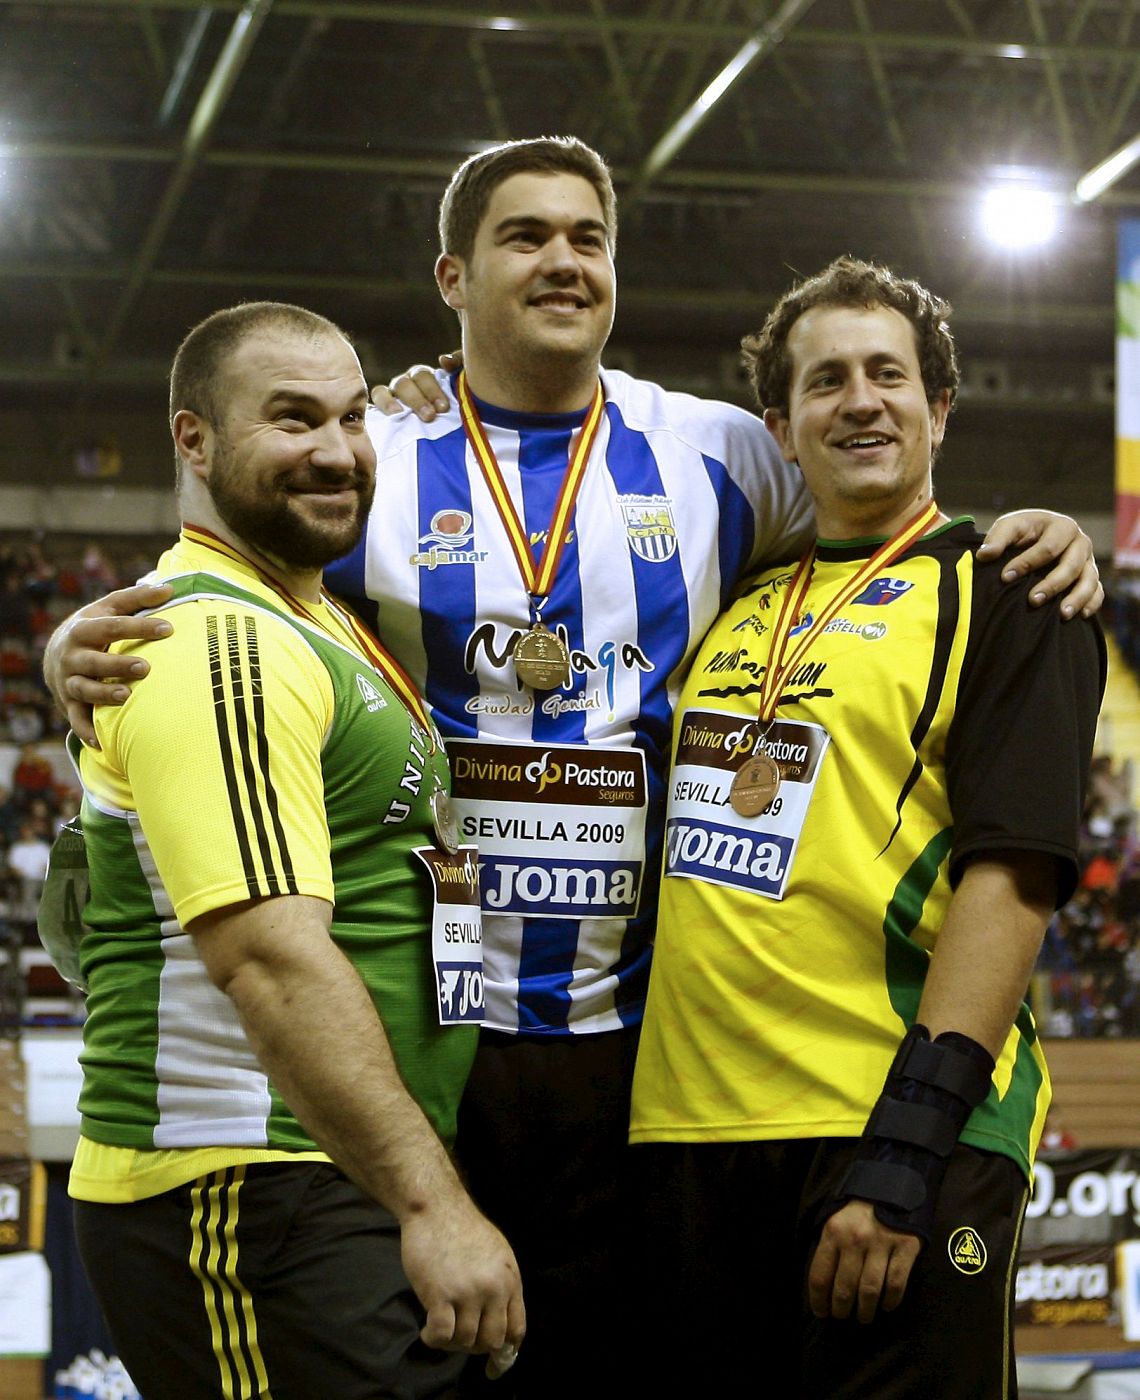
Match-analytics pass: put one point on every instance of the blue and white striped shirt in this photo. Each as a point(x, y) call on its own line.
point(680, 497)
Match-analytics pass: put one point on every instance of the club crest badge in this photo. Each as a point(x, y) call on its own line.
point(649, 527)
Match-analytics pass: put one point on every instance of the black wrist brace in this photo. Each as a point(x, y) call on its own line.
point(930, 1091)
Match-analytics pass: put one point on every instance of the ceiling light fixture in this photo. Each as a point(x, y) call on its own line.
point(1101, 177)
point(1018, 217)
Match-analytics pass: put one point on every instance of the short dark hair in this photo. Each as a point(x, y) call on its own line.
point(470, 189)
point(851, 282)
point(196, 377)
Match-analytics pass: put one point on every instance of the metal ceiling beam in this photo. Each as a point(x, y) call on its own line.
point(619, 79)
point(963, 19)
point(430, 174)
point(239, 203)
point(146, 22)
point(684, 32)
point(1053, 83)
point(879, 81)
point(1122, 106)
point(652, 52)
point(1077, 20)
point(755, 48)
point(587, 115)
point(496, 118)
point(184, 65)
point(1093, 184)
point(218, 87)
point(694, 62)
point(1088, 316)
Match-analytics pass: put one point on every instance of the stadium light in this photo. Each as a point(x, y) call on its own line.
point(1018, 216)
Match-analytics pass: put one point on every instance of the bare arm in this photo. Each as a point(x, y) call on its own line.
point(78, 669)
point(978, 974)
point(987, 947)
point(316, 1033)
point(1048, 537)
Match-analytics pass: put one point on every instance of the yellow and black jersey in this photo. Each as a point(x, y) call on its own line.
point(936, 717)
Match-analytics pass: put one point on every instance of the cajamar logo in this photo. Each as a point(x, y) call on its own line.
point(967, 1250)
point(449, 531)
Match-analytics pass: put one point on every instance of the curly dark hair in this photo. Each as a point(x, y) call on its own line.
point(851, 282)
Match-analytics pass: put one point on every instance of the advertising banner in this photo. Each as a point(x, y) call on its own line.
point(1078, 1278)
point(1128, 395)
point(22, 1202)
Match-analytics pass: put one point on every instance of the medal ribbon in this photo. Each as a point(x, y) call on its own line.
point(538, 579)
point(375, 654)
point(386, 664)
point(779, 666)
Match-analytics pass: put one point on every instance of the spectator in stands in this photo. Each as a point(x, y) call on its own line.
point(97, 576)
point(33, 773)
point(11, 814)
point(27, 864)
point(40, 581)
point(25, 724)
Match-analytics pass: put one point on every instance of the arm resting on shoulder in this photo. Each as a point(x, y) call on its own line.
point(978, 975)
point(1048, 537)
point(78, 669)
point(316, 1033)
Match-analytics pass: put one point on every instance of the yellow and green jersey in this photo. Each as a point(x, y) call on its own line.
point(264, 755)
point(935, 718)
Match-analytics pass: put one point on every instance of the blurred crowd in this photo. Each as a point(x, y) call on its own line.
point(1122, 616)
point(32, 810)
point(1088, 981)
point(41, 581)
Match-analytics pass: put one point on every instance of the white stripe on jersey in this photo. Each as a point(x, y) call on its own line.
point(203, 1061)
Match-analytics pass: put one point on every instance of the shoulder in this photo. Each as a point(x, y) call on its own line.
point(705, 424)
point(1008, 632)
point(210, 625)
point(400, 432)
point(224, 657)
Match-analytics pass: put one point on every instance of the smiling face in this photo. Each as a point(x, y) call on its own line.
point(289, 469)
point(536, 296)
point(858, 423)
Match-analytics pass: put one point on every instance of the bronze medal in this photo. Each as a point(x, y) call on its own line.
point(443, 819)
point(754, 785)
point(541, 659)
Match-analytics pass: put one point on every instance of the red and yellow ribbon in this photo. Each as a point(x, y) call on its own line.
point(538, 578)
point(779, 666)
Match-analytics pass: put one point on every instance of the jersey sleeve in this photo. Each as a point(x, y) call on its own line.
point(347, 577)
point(785, 517)
point(218, 751)
point(1019, 747)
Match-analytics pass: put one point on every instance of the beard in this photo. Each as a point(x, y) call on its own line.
point(298, 530)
